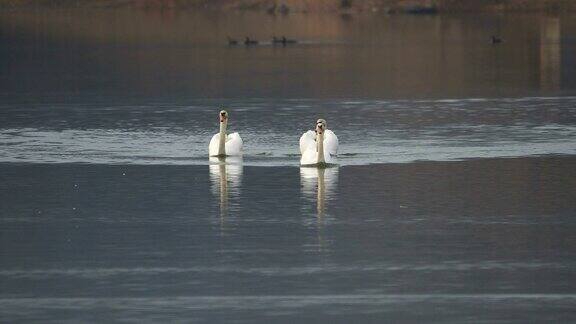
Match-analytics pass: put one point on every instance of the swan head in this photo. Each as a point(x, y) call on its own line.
point(223, 116)
point(320, 126)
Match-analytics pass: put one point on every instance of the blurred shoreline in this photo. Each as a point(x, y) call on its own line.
point(303, 6)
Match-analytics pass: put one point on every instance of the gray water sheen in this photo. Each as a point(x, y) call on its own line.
point(376, 131)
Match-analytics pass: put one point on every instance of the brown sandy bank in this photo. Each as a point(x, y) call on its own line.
point(313, 6)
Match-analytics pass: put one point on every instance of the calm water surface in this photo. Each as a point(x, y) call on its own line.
point(454, 198)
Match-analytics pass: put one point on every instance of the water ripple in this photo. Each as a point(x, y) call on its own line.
point(393, 131)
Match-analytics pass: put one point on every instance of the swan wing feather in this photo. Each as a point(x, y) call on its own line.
point(330, 142)
point(213, 146)
point(307, 141)
point(234, 144)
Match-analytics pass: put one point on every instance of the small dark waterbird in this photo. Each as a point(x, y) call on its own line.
point(284, 41)
point(288, 41)
point(249, 42)
point(232, 41)
point(495, 40)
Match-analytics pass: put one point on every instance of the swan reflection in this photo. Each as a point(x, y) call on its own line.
point(226, 179)
point(319, 184)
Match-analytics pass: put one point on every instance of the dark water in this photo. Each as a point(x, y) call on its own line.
point(454, 199)
point(447, 241)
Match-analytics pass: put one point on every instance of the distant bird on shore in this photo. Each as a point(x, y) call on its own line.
point(496, 40)
point(249, 42)
point(232, 41)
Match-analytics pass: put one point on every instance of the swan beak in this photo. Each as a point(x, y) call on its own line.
point(319, 129)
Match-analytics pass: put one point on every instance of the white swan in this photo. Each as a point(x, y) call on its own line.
point(223, 145)
point(318, 147)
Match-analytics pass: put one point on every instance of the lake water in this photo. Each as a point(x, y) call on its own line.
point(454, 198)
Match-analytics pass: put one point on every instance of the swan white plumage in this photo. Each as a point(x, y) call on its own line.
point(223, 145)
point(318, 147)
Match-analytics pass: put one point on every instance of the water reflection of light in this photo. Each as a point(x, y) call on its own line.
point(226, 179)
point(319, 184)
point(550, 53)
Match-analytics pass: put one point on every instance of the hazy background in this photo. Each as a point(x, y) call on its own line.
point(163, 53)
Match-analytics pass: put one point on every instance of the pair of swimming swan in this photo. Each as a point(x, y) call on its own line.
point(318, 147)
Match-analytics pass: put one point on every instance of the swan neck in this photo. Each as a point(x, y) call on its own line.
point(222, 143)
point(320, 147)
